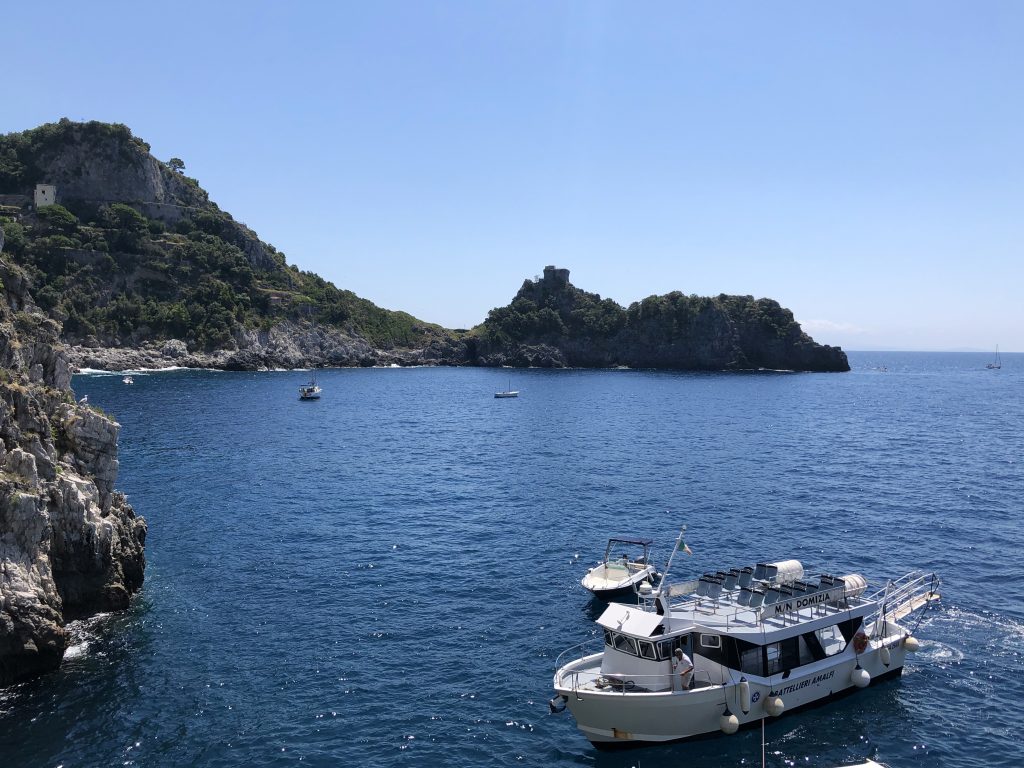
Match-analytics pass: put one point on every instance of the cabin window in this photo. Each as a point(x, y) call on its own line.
point(665, 649)
point(646, 649)
point(782, 656)
point(808, 652)
point(849, 627)
point(625, 644)
point(750, 661)
point(710, 647)
point(608, 638)
point(831, 640)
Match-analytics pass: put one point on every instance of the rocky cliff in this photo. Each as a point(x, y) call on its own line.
point(70, 545)
point(551, 323)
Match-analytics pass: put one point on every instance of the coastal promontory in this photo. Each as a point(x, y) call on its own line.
point(140, 269)
point(552, 323)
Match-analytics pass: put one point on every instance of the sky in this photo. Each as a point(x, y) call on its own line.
point(861, 163)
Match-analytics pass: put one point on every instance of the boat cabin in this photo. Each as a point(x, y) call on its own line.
point(725, 635)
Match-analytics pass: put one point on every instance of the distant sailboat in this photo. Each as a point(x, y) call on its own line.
point(997, 363)
point(310, 391)
point(508, 392)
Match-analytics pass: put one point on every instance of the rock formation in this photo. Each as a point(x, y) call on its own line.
point(70, 545)
point(552, 324)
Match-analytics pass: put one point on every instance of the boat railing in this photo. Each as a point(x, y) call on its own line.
point(580, 680)
point(729, 613)
point(579, 651)
point(902, 596)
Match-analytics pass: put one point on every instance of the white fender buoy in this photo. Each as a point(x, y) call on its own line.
point(884, 655)
point(728, 722)
point(911, 643)
point(774, 705)
point(744, 695)
point(860, 677)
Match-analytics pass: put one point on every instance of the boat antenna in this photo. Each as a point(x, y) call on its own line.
point(680, 544)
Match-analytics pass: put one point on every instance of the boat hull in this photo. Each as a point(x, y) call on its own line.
point(609, 583)
point(613, 719)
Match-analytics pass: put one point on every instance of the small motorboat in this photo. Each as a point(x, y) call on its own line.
point(620, 573)
point(128, 380)
point(755, 641)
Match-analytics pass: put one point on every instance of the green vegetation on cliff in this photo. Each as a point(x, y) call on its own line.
point(551, 322)
point(141, 254)
point(135, 252)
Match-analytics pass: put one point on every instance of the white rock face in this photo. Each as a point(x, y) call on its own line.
point(70, 545)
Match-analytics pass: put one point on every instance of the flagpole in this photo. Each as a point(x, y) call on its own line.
point(668, 565)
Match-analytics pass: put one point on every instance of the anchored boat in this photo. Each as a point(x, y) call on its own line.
point(763, 640)
point(310, 391)
point(618, 574)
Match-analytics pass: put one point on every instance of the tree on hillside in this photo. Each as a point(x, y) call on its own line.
point(176, 164)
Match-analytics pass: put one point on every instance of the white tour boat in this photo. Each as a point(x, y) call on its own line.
point(618, 574)
point(762, 640)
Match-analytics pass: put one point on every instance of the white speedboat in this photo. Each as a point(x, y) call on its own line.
point(128, 380)
point(618, 573)
point(763, 640)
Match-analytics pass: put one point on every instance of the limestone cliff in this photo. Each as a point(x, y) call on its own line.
point(70, 545)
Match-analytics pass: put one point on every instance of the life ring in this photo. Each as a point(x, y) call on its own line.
point(860, 642)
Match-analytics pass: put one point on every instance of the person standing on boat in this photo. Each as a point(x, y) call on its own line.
point(682, 670)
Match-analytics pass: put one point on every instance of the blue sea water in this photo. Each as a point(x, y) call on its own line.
point(385, 577)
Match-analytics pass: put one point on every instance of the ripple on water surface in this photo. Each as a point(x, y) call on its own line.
point(386, 576)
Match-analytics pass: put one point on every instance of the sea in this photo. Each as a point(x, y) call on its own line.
point(386, 576)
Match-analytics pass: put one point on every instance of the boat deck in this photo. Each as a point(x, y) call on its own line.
point(725, 613)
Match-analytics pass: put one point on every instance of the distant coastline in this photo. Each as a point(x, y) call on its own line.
point(141, 269)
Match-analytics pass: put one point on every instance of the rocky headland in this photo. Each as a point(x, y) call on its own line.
point(552, 323)
point(142, 270)
point(70, 544)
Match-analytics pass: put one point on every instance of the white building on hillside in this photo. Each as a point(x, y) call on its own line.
point(46, 194)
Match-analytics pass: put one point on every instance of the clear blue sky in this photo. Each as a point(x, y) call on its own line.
point(863, 163)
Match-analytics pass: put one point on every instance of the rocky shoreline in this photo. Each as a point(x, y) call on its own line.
point(287, 345)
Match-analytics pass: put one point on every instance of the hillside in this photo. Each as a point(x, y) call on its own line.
point(552, 323)
point(136, 255)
